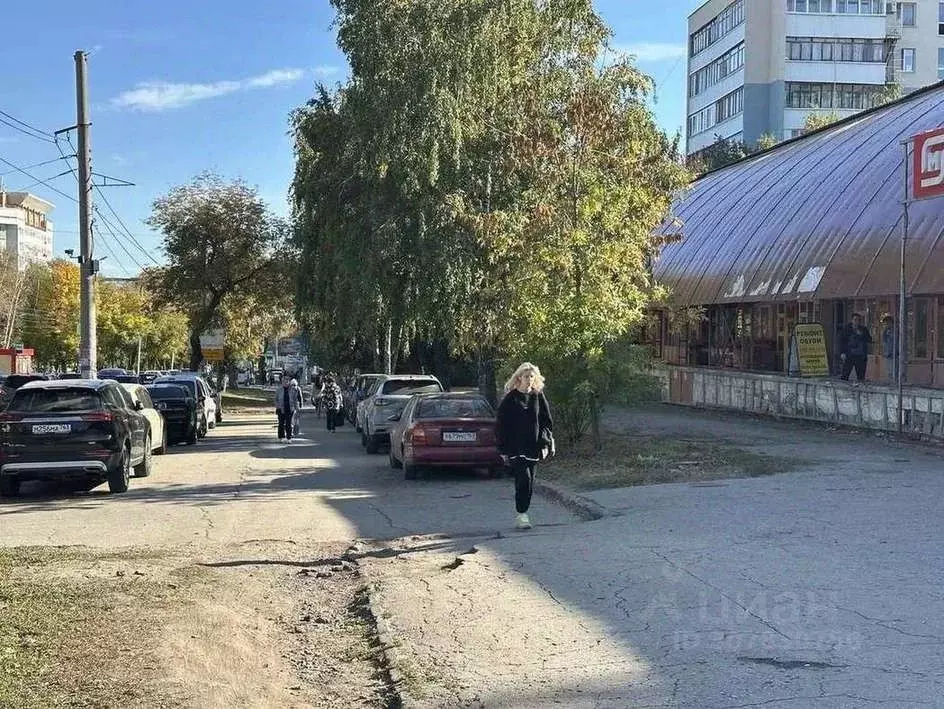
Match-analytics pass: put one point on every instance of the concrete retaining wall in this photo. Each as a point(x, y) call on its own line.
point(867, 405)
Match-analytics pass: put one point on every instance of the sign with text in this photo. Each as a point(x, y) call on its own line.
point(811, 350)
point(928, 160)
point(212, 343)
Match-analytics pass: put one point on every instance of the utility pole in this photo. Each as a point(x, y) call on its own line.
point(88, 344)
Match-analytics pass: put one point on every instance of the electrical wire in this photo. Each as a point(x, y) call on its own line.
point(112, 253)
point(111, 230)
point(17, 168)
point(39, 164)
point(26, 128)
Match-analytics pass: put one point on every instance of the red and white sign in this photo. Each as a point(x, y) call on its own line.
point(928, 165)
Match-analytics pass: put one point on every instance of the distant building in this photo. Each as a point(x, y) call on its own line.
point(761, 67)
point(25, 230)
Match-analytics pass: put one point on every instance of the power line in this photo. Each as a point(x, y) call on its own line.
point(30, 167)
point(111, 230)
point(26, 128)
point(112, 253)
point(17, 168)
point(115, 214)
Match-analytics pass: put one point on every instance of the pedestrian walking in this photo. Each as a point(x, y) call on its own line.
point(890, 347)
point(296, 420)
point(287, 403)
point(854, 353)
point(525, 432)
point(331, 400)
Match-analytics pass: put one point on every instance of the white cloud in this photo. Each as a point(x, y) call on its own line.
point(326, 70)
point(653, 51)
point(164, 95)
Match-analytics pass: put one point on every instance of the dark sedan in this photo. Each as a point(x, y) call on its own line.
point(179, 409)
point(448, 430)
point(13, 382)
point(74, 429)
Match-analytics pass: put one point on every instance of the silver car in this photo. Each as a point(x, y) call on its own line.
point(387, 398)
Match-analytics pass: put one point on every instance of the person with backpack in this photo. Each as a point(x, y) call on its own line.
point(525, 432)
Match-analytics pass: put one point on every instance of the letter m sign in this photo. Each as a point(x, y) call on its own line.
point(928, 165)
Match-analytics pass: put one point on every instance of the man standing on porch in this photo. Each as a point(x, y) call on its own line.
point(855, 344)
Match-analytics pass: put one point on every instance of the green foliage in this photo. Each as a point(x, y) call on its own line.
point(815, 121)
point(766, 141)
point(483, 178)
point(724, 151)
point(222, 244)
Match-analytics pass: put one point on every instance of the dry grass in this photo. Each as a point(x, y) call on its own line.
point(75, 635)
point(626, 460)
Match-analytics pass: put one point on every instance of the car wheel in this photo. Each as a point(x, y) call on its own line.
point(163, 449)
point(119, 476)
point(409, 471)
point(372, 446)
point(394, 462)
point(143, 469)
point(202, 428)
point(9, 487)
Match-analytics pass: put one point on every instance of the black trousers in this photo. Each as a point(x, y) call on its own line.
point(331, 416)
point(858, 363)
point(286, 424)
point(523, 470)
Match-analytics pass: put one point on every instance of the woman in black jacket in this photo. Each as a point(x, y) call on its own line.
point(524, 430)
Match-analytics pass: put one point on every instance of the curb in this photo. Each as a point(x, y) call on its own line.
point(390, 652)
point(583, 507)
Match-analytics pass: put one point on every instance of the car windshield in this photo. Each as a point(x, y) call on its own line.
point(436, 408)
point(402, 387)
point(56, 400)
point(168, 392)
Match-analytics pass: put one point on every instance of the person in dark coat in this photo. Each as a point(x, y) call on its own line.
point(854, 352)
point(524, 430)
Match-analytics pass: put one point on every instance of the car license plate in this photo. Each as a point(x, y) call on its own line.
point(458, 437)
point(52, 428)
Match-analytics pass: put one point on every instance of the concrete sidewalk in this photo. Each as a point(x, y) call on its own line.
point(820, 588)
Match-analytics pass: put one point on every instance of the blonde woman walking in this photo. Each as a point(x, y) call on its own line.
point(524, 429)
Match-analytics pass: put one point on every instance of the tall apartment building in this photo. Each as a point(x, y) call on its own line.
point(25, 230)
point(760, 67)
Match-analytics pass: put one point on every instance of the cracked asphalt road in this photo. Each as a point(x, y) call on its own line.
point(241, 484)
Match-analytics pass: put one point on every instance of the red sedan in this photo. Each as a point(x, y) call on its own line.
point(444, 430)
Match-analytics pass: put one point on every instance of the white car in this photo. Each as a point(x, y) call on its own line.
point(201, 391)
point(386, 398)
point(142, 403)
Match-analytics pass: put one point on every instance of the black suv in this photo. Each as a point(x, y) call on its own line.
point(77, 429)
point(179, 409)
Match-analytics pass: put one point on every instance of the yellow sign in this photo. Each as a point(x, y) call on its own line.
point(811, 350)
point(212, 354)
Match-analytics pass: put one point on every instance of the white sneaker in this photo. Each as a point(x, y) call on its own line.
point(522, 522)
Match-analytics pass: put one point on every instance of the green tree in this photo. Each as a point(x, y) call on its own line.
point(815, 121)
point(51, 327)
point(723, 152)
point(221, 242)
point(766, 141)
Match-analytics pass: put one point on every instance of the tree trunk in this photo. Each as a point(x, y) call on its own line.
point(196, 352)
point(388, 344)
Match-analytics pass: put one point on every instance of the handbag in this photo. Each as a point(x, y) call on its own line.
point(548, 445)
point(339, 417)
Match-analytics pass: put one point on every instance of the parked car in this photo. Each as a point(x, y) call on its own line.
point(111, 373)
point(12, 382)
point(175, 402)
point(355, 394)
point(448, 430)
point(124, 378)
point(73, 429)
point(143, 403)
point(201, 393)
point(214, 393)
point(389, 394)
point(149, 376)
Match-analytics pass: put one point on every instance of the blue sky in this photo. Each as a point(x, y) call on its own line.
point(178, 87)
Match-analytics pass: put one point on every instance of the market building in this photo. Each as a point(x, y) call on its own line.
point(809, 232)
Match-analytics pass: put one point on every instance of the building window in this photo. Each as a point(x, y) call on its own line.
point(854, 97)
point(732, 16)
point(906, 13)
point(860, 7)
point(940, 18)
point(724, 108)
point(818, 49)
point(908, 61)
point(719, 69)
point(814, 6)
point(940, 63)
